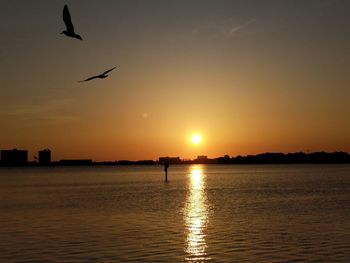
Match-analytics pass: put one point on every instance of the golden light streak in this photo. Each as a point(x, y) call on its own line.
point(196, 216)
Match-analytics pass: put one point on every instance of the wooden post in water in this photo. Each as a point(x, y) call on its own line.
point(166, 166)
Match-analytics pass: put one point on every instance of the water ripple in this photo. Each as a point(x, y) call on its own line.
point(204, 213)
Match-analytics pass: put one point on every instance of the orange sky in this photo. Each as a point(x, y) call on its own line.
point(250, 77)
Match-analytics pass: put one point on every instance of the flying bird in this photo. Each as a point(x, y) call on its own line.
point(101, 76)
point(69, 25)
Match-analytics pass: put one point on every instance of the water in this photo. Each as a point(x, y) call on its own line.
point(213, 213)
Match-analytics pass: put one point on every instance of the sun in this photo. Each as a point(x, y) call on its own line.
point(196, 138)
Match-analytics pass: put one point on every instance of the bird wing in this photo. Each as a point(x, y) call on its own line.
point(67, 20)
point(104, 73)
point(94, 77)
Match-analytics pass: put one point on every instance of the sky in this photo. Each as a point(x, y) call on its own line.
point(248, 76)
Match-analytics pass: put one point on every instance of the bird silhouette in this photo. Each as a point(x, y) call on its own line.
point(69, 25)
point(101, 76)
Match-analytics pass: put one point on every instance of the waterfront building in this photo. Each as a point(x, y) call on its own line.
point(14, 157)
point(44, 157)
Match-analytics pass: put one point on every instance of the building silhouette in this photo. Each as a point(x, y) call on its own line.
point(44, 157)
point(202, 157)
point(14, 157)
point(172, 160)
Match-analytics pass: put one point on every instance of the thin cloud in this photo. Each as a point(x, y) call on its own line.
point(225, 28)
point(31, 109)
point(51, 110)
point(235, 29)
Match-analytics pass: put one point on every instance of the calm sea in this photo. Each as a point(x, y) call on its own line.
point(213, 213)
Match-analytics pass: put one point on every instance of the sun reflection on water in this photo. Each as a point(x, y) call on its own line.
point(196, 216)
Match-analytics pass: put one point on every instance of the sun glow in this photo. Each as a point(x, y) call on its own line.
point(196, 138)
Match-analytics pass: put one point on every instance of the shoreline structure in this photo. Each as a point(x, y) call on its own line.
point(15, 158)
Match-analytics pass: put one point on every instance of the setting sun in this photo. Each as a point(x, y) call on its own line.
point(196, 138)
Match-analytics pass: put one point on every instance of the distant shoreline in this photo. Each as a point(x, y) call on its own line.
point(264, 158)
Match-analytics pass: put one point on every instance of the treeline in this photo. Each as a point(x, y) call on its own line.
point(263, 158)
point(281, 158)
